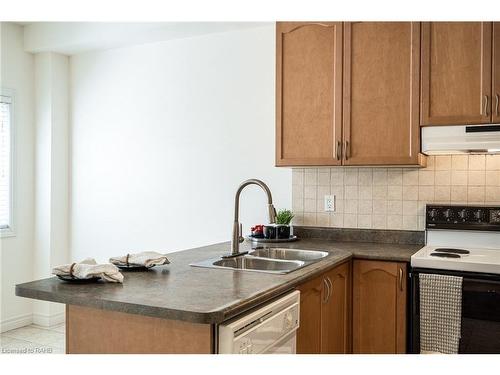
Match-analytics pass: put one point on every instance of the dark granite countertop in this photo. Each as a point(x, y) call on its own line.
point(203, 295)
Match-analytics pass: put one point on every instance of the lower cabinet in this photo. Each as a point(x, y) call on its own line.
point(325, 311)
point(379, 307)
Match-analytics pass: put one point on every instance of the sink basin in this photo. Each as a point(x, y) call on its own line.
point(251, 263)
point(289, 254)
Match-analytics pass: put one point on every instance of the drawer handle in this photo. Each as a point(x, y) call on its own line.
point(400, 279)
point(331, 288)
point(485, 109)
point(496, 105)
point(338, 150)
point(346, 151)
point(327, 295)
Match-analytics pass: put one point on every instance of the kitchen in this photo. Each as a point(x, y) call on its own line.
point(348, 127)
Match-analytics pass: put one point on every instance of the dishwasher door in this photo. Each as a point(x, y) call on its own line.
point(270, 329)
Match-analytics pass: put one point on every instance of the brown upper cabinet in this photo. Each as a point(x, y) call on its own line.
point(495, 113)
point(347, 93)
point(457, 73)
point(381, 93)
point(308, 93)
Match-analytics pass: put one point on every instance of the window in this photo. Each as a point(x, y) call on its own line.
point(5, 163)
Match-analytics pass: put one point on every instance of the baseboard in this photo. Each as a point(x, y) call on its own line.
point(47, 321)
point(16, 322)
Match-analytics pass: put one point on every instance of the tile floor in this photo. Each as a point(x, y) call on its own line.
point(33, 339)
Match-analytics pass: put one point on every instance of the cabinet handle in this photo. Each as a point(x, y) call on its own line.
point(327, 295)
point(485, 109)
point(338, 150)
point(331, 288)
point(346, 151)
point(496, 105)
point(401, 279)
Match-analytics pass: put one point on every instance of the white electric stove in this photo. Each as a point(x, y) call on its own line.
point(463, 241)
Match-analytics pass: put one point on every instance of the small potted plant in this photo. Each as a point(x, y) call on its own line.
point(283, 220)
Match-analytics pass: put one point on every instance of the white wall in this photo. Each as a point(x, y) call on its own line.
point(162, 134)
point(16, 252)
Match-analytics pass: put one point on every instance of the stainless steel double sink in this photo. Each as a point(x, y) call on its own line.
point(267, 259)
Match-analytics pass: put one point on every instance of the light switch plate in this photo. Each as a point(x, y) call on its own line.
point(329, 203)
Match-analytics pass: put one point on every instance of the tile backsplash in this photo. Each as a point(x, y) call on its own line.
point(392, 198)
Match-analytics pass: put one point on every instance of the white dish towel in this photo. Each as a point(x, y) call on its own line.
point(146, 258)
point(440, 313)
point(88, 268)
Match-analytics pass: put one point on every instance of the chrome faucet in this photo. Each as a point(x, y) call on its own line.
point(237, 227)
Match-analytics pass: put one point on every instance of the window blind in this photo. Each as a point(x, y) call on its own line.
point(5, 161)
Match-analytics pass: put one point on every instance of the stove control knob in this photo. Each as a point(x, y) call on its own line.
point(462, 214)
point(432, 214)
point(448, 214)
point(495, 216)
point(479, 215)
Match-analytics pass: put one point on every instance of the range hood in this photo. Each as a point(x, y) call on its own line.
point(457, 139)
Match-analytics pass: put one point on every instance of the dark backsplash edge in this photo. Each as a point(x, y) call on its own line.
point(361, 235)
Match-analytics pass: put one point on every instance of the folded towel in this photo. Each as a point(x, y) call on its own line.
point(88, 268)
point(440, 313)
point(146, 258)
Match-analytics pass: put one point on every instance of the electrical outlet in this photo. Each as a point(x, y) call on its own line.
point(329, 203)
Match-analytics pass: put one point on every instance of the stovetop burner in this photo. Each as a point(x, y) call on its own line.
point(445, 255)
point(455, 251)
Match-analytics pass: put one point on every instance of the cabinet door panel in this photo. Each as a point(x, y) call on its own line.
point(335, 314)
point(379, 307)
point(309, 332)
point(381, 93)
point(496, 73)
point(308, 93)
point(456, 73)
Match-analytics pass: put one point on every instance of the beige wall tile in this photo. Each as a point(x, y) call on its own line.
point(297, 204)
point(298, 219)
point(476, 178)
point(350, 220)
point(310, 192)
point(420, 223)
point(365, 192)
point(322, 191)
point(492, 178)
point(395, 176)
point(351, 176)
point(365, 221)
point(425, 177)
point(459, 193)
point(311, 177)
point(379, 221)
point(298, 191)
point(410, 222)
point(339, 205)
point(410, 193)
point(492, 193)
point(380, 176)
point(297, 177)
point(379, 207)
point(336, 220)
point(459, 162)
point(410, 208)
point(493, 162)
point(351, 192)
point(426, 193)
point(477, 162)
point(350, 206)
point(310, 205)
point(324, 177)
point(379, 192)
point(365, 177)
point(394, 207)
point(475, 194)
point(459, 177)
point(442, 193)
point(442, 177)
point(365, 207)
point(421, 207)
point(395, 192)
point(410, 176)
point(309, 219)
point(394, 221)
point(337, 177)
point(338, 191)
point(323, 219)
point(443, 163)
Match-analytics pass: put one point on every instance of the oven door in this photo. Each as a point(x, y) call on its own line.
point(480, 311)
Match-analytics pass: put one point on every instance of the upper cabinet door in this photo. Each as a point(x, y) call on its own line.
point(495, 113)
point(381, 93)
point(308, 93)
point(456, 73)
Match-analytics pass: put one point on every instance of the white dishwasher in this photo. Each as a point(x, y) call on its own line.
point(271, 329)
